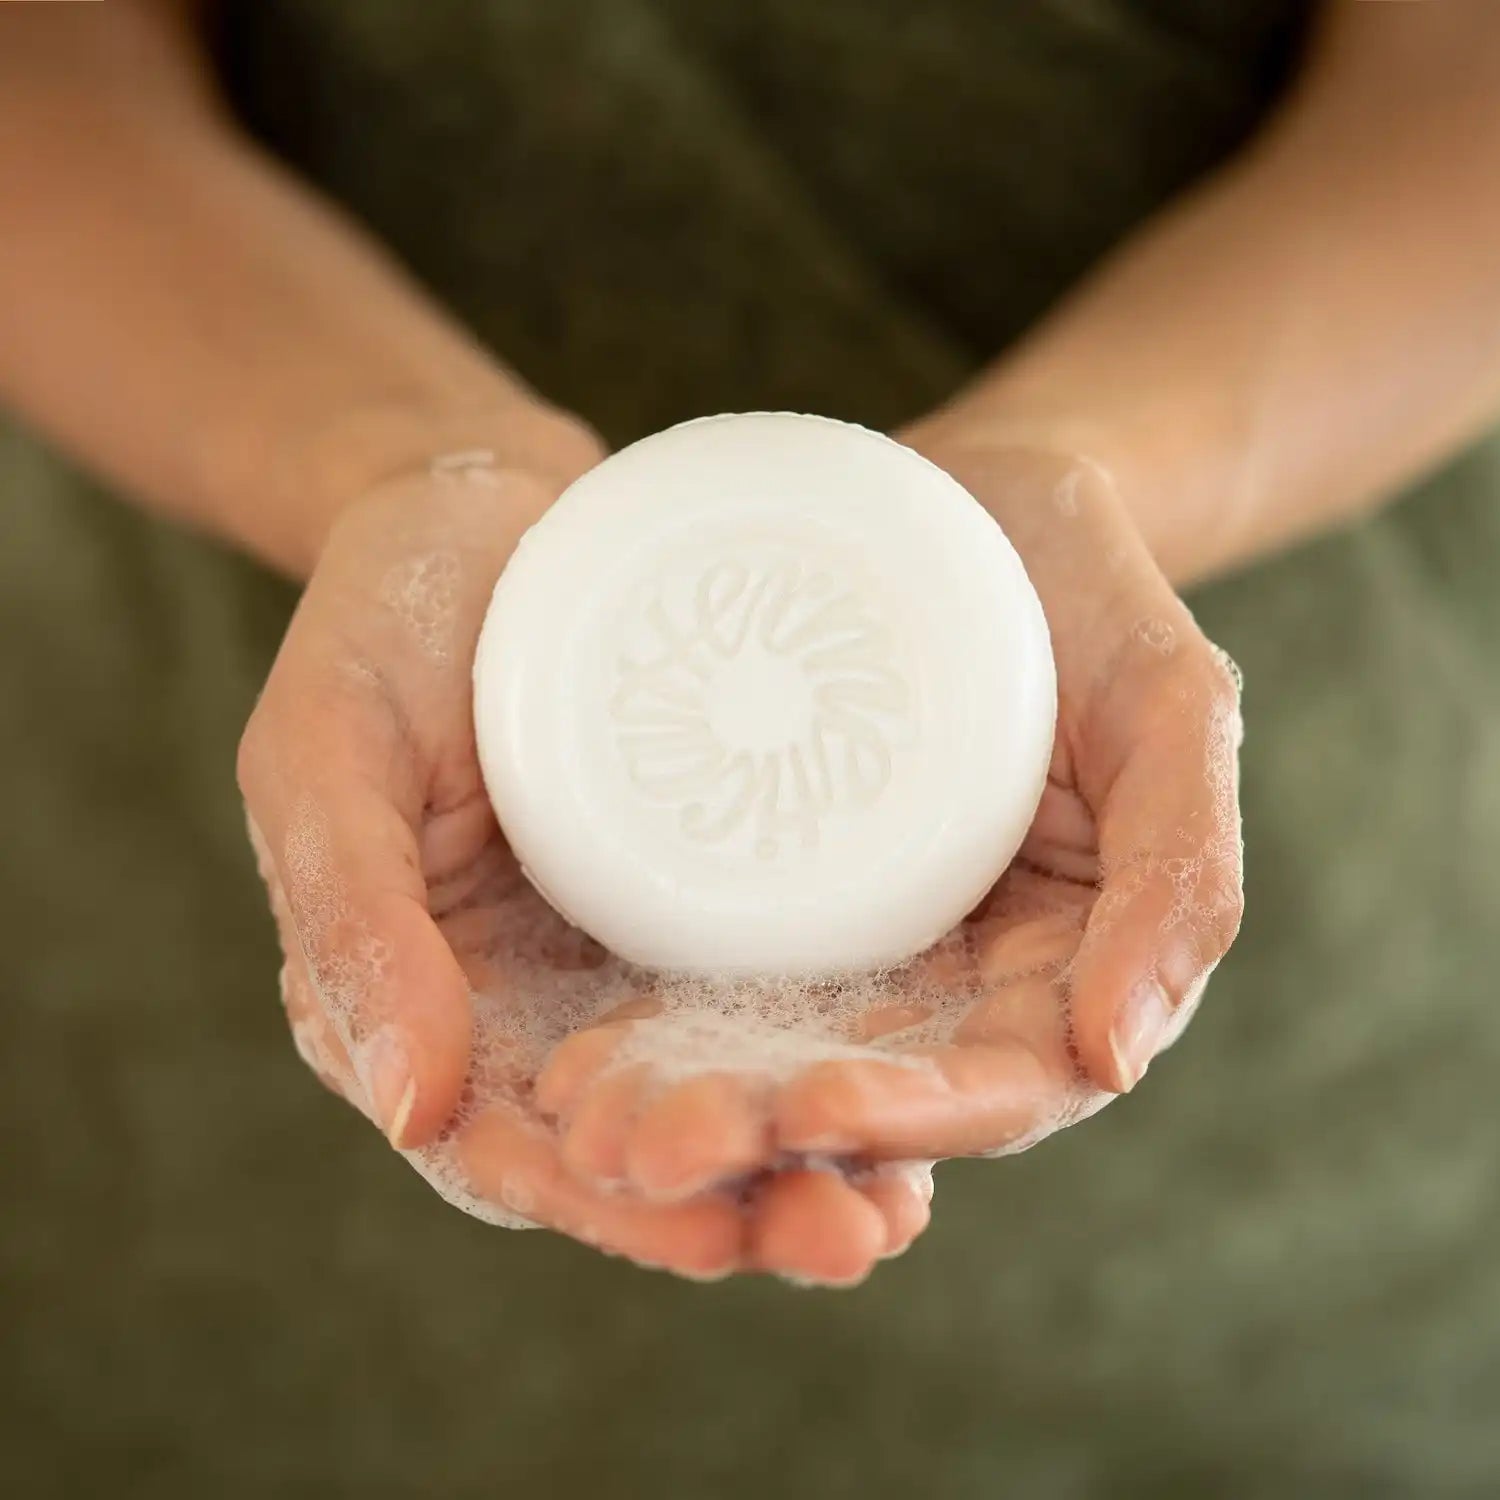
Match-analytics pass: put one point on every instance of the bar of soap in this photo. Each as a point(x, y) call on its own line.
point(764, 694)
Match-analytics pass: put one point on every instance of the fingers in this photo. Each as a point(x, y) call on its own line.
point(825, 1228)
point(1027, 1012)
point(664, 1140)
point(903, 1195)
point(517, 1167)
point(313, 1035)
point(806, 1225)
point(1006, 1078)
point(665, 1144)
point(599, 1128)
point(331, 789)
point(1170, 854)
point(575, 1065)
point(815, 1226)
point(1006, 952)
point(1063, 839)
point(1006, 1075)
point(708, 1129)
point(950, 1101)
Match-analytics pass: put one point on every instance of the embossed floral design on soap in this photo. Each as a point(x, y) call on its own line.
point(764, 693)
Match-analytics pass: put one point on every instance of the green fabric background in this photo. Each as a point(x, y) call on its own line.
point(1271, 1272)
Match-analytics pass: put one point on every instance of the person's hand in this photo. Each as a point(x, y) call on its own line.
point(424, 979)
point(1086, 960)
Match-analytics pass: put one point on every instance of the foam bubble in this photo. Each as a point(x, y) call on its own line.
point(423, 593)
point(1068, 495)
point(467, 466)
point(1156, 635)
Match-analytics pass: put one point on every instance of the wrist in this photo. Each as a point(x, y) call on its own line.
point(364, 448)
point(1178, 458)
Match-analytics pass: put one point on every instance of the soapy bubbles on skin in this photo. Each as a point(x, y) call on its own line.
point(1069, 494)
point(536, 983)
point(1156, 635)
point(423, 589)
point(423, 593)
point(334, 967)
point(467, 465)
point(309, 1016)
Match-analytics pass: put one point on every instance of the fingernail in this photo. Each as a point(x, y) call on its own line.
point(392, 1086)
point(1181, 967)
point(1139, 1030)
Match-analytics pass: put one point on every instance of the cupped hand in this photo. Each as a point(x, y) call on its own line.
point(424, 979)
point(1090, 955)
point(1084, 962)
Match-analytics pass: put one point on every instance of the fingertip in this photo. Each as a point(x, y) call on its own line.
point(903, 1204)
point(1106, 1046)
point(1132, 985)
point(417, 1058)
point(812, 1226)
point(705, 1238)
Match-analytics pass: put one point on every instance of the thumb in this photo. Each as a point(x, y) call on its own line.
point(335, 794)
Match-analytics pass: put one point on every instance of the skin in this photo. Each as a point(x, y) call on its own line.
point(1281, 349)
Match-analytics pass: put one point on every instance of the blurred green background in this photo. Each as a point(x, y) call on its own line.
point(1271, 1272)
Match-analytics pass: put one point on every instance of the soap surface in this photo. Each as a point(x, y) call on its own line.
point(764, 694)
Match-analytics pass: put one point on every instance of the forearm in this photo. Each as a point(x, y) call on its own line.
point(1312, 329)
point(188, 320)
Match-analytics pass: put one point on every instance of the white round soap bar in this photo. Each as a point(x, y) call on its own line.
point(765, 694)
